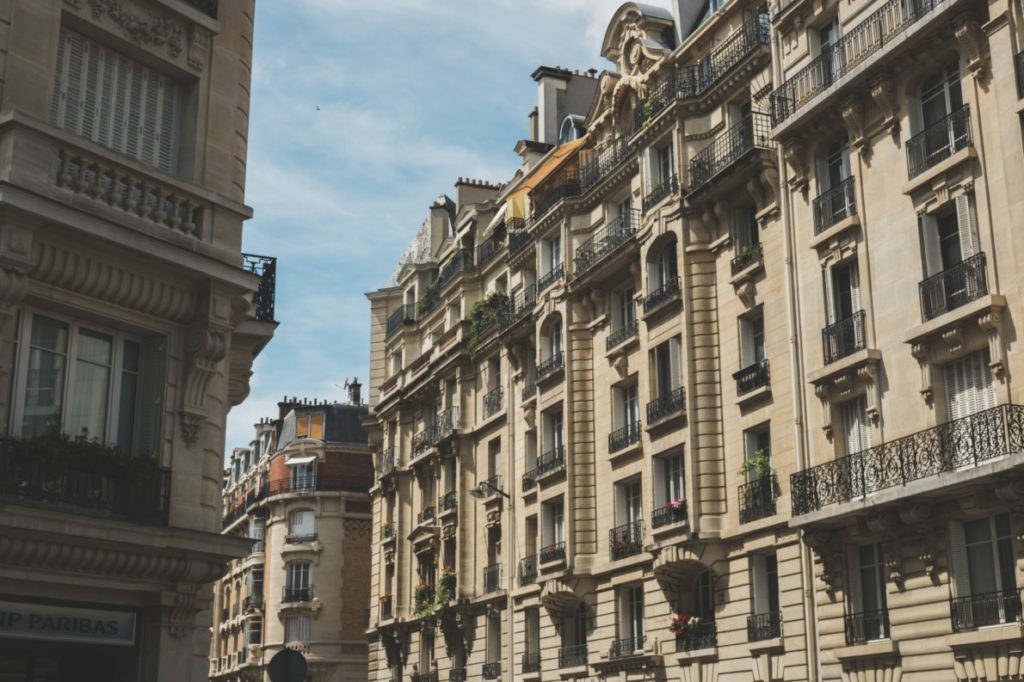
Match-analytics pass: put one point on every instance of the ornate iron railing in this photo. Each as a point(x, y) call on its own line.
point(990, 608)
point(762, 626)
point(492, 670)
point(551, 276)
point(460, 261)
point(627, 331)
point(530, 480)
point(387, 531)
point(757, 498)
point(703, 635)
point(627, 646)
point(753, 132)
point(751, 377)
point(669, 291)
point(553, 552)
point(844, 337)
point(572, 656)
point(939, 141)
point(747, 255)
point(529, 390)
point(667, 405)
point(457, 675)
point(491, 247)
point(551, 365)
point(624, 437)
point(606, 240)
point(492, 402)
point(834, 205)
point(527, 570)
point(954, 287)
point(492, 578)
point(301, 538)
point(406, 314)
point(207, 7)
point(519, 236)
point(83, 475)
point(866, 626)
point(449, 501)
point(667, 515)
point(660, 191)
point(965, 442)
point(264, 267)
point(291, 595)
point(882, 27)
point(627, 539)
point(562, 185)
point(551, 461)
point(596, 170)
point(531, 662)
point(426, 514)
point(387, 461)
point(520, 306)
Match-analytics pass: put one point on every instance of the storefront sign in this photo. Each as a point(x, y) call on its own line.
point(65, 624)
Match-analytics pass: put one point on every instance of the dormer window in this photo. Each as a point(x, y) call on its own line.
point(571, 129)
point(309, 426)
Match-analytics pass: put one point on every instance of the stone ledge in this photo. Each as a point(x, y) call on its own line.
point(941, 168)
point(986, 636)
point(852, 652)
point(953, 317)
point(830, 233)
point(766, 645)
point(861, 357)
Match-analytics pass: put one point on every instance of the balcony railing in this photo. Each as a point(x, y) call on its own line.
point(884, 26)
point(866, 626)
point(979, 610)
point(492, 486)
point(627, 331)
point(752, 377)
point(528, 570)
point(703, 635)
point(606, 240)
point(529, 390)
point(844, 337)
point(264, 267)
point(291, 595)
point(572, 656)
point(252, 603)
point(624, 437)
point(386, 607)
point(551, 461)
point(762, 626)
point(834, 205)
point(520, 306)
point(627, 539)
point(668, 514)
point(939, 141)
point(449, 501)
point(596, 170)
point(83, 475)
point(426, 514)
point(425, 677)
point(959, 444)
point(531, 662)
point(519, 236)
point(746, 255)
point(669, 291)
point(530, 480)
point(757, 498)
point(492, 578)
point(207, 7)
point(753, 132)
point(490, 247)
point(492, 402)
point(460, 261)
point(562, 185)
point(457, 675)
point(954, 287)
point(553, 552)
point(301, 538)
point(666, 406)
point(553, 275)
point(627, 646)
point(313, 483)
point(659, 191)
point(406, 314)
point(551, 365)
point(492, 670)
point(387, 461)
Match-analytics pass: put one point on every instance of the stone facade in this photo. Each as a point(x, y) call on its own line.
point(299, 492)
point(129, 321)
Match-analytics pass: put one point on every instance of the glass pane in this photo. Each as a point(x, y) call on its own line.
point(91, 389)
point(980, 558)
point(44, 384)
point(126, 410)
point(869, 580)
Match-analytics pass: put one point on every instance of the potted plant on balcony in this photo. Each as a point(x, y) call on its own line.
point(760, 464)
point(423, 599)
point(676, 508)
point(686, 628)
point(446, 589)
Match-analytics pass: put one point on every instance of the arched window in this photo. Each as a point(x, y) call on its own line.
point(663, 266)
point(571, 129)
point(551, 338)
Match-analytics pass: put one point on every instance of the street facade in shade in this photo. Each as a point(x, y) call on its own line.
point(299, 493)
point(129, 323)
point(717, 385)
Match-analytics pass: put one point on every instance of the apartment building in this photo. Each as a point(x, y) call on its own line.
point(901, 133)
point(128, 328)
point(582, 387)
point(299, 494)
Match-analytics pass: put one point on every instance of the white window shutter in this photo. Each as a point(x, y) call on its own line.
point(969, 240)
point(930, 241)
point(675, 363)
point(960, 578)
point(855, 286)
point(830, 307)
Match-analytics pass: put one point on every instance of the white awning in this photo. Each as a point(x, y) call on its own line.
point(296, 461)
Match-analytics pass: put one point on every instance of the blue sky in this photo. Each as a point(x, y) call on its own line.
point(363, 113)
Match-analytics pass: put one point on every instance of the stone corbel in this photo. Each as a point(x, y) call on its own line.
point(530, 415)
point(1010, 491)
point(992, 324)
point(868, 375)
point(884, 94)
point(796, 156)
point(823, 544)
point(621, 364)
point(205, 348)
point(769, 178)
point(747, 293)
point(724, 214)
point(822, 391)
point(969, 36)
point(181, 609)
point(597, 305)
point(920, 352)
point(852, 109)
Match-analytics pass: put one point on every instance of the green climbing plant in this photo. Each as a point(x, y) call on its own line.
point(760, 464)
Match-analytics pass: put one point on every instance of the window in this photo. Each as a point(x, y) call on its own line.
point(254, 582)
point(856, 427)
point(396, 362)
point(623, 312)
point(765, 576)
point(868, 602)
point(574, 628)
point(982, 562)
point(296, 630)
point(257, 528)
point(949, 237)
point(668, 479)
point(532, 617)
point(831, 58)
point(571, 129)
point(254, 631)
point(631, 619)
point(551, 341)
point(663, 268)
point(426, 649)
point(662, 166)
point(83, 381)
point(696, 598)
point(969, 387)
point(551, 253)
point(301, 524)
point(494, 459)
point(745, 229)
point(666, 367)
point(757, 444)
point(553, 514)
point(493, 638)
point(834, 166)
point(629, 501)
point(299, 575)
point(105, 97)
point(627, 407)
point(304, 475)
point(752, 339)
point(552, 424)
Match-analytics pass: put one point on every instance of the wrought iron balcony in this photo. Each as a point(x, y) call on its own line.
point(954, 287)
point(883, 27)
point(669, 291)
point(425, 677)
point(553, 275)
point(426, 514)
point(492, 402)
point(264, 267)
point(613, 156)
point(519, 236)
point(627, 331)
point(866, 626)
point(668, 514)
point(746, 255)
point(626, 540)
point(757, 498)
point(666, 406)
point(627, 646)
point(460, 261)
point(753, 132)
point(562, 185)
point(252, 603)
point(703, 635)
point(530, 480)
point(606, 240)
point(301, 538)
point(752, 377)
point(406, 314)
point(962, 443)
point(492, 578)
point(291, 595)
point(527, 570)
point(551, 365)
point(834, 205)
point(624, 437)
point(939, 141)
point(551, 461)
point(553, 552)
point(572, 656)
point(457, 675)
point(531, 662)
point(990, 608)
point(520, 306)
point(76, 474)
point(310, 484)
point(387, 461)
point(491, 247)
point(207, 7)
point(844, 337)
point(492, 670)
point(449, 501)
point(659, 191)
point(762, 626)
point(386, 607)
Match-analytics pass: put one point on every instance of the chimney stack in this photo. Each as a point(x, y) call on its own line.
point(354, 392)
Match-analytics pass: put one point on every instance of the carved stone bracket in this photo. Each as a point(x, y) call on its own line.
point(198, 46)
point(621, 364)
point(822, 391)
point(920, 352)
point(831, 556)
point(868, 375)
point(992, 324)
point(180, 621)
point(795, 154)
point(884, 94)
point(852, 108)
point(971, 40)
point(205, 348)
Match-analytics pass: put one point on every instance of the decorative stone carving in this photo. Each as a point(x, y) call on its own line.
point(198, 46)
point(969, 37)
point(747, 293)
point(868, 375)
point(151, 31)
point(205, 347)
point(920, 352)
point(821, 390)
point(180, 620)
point(621, 364)
point(796, 156)
point(852, 109)
point(884, 94)
point(992, 324)
point(831, 557)
point(893, 563)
